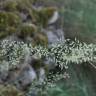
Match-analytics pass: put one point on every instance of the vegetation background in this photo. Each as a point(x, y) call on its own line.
point(79, 18)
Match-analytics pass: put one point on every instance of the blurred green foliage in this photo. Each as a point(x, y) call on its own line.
point(80, 83)
point(79, 18)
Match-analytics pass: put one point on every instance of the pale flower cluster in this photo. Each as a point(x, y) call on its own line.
point(12, 52)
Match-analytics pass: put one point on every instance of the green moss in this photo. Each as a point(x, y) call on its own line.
point(27, 30)
point(48, 11)
point(7, 32)
point(30, 30)
point(9, 19)
point(3, 19)
point(11, 30)
point(4, 34)
point(26, 5)
point(41, 39)
point(13, 19)
point(44, 15)
point(10, 5)
point(9, 90)
point(21, 6)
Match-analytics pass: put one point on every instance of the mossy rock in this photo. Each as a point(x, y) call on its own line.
point(9, 22)
point(7, 32)
point(9, 90)
point(30, 30)
point(3, 34)
point(14, 5)
point(14, 19)
point(10, 5)
point(27, 30)
point(3, 19)
point(44, 15)
point(41, 39)
point(23, 5)
point(48, 11)
point(9, 19)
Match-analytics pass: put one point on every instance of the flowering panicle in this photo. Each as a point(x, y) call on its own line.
point(11, 52)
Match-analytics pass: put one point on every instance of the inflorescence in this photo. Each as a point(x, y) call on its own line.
point(11, 52)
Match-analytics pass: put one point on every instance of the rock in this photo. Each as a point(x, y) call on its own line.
point(41, 74)
point(54, 18)
point(49, 62)
point(23, 16)
point(55, 36)
point(3, 76)
point(26, 77)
